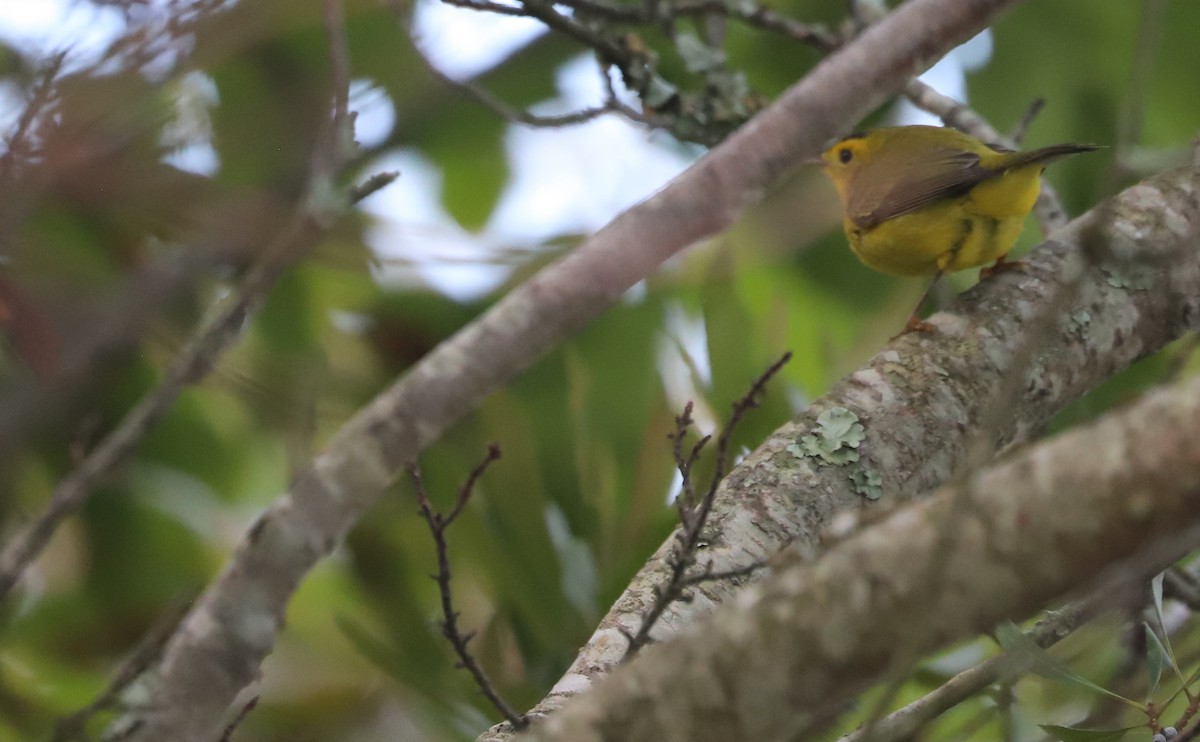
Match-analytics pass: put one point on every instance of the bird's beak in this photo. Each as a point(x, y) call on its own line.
point(813, 162)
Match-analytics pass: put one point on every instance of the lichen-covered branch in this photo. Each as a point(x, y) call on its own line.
point(919, 401)
point(780, 662)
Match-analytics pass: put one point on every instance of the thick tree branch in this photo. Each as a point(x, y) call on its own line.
point(781, 661)
point(921, 399)
point(222, 643)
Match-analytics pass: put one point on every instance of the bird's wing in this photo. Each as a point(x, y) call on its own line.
point(925, 178)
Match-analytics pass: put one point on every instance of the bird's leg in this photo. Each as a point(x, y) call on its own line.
point(915, 323)
point(999, 266)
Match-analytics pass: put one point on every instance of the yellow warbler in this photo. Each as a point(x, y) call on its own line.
point(923, 200)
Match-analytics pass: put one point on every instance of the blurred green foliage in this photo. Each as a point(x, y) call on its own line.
point(578, 501)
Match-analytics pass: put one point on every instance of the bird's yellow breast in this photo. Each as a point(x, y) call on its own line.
point(952, 234)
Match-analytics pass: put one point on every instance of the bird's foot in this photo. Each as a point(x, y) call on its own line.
point(1000, 266)
point(915, 324)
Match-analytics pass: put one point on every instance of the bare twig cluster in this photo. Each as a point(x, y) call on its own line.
point(438, 523)
point(617, 34)
point(236, 722)
point(212, 338)
point(612, 31)
point(20, 144)
point(694, 508)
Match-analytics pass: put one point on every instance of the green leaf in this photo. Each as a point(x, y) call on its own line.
point(698, 56)
point(1156, 589)
point(289, 320)
point(372, 648)
point(1070, 734)
point(660, 92)
point(468, 147)
point(1041, 662)
point(1156, 659)
point(733, 352)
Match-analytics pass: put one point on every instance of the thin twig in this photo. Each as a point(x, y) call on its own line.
point(544, 11)
point(41, 96)
point(373, 184)
point(1022, 127)
point(490, 7)
point(230, 728)
point(610, 11)
point(517, 115)
point(692, 514)
point(766, 19)
point(687, 491)
point(614, 103)
point(751, 14)
point(709, 575)
point(624, 51)
point(481, 95)
point(438, 523)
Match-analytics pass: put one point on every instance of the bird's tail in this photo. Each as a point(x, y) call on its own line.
point(1046, 155)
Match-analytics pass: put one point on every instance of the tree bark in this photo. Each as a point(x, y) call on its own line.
point(923, 398)
point(782, 660)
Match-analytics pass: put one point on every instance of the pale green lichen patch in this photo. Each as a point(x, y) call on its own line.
point(866, 483)
point(834, 440)
point(1130, 276)
point(1078, 321)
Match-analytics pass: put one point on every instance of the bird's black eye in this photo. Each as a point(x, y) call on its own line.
point(845, 155)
